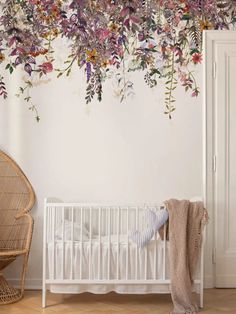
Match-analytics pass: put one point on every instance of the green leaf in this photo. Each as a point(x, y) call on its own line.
point(27, 98)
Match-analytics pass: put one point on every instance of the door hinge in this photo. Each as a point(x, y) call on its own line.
point(214, 256)
point(214, 163)
point(214, 69)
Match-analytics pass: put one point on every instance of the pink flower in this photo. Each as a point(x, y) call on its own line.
point(46, 67)
point(196, 58)
point(104, 34)
point(195, 93)
point(151, 45)
point(183, 77)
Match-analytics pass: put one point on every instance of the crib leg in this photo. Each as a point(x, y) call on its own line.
point(202, 273)
point(44, 296)
point(201, 294)
point(201, 299)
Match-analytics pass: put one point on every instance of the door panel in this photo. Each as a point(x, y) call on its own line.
point(225, 175)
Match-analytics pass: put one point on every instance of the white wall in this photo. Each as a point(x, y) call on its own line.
point(104, 152)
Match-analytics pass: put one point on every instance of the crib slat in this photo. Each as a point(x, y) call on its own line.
point(99, 244)
point(155, 257)
point(145, 263)
point(145, 260)
point(118, 244)
point(81, 242)
point(109, 243)
point(49, 230)
point(72, 243)
point(90, 242)
point(63, 242)
point(127, 245)
point(164, 254)
point(53, 213)
point(136, 252)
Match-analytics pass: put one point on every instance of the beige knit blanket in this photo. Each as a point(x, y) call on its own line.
point(186, 221)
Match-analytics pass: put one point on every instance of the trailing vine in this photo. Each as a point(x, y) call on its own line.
point(25, 92)
point(3, 91)
point(170, 86)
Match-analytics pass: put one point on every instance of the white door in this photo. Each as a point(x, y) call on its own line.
point(224, 167)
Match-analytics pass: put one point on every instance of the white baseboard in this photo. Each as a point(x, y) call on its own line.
point(30, 284)
point(36, 284)
point(225, 281)
point(208, 282)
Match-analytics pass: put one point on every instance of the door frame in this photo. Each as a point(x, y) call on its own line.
point(210, 37)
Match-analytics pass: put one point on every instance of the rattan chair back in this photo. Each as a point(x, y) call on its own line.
point(16, 225)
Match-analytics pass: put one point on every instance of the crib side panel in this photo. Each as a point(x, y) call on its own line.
point(93, 243)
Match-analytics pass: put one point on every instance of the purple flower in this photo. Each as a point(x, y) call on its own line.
point(18, 61)
point(28, 68)
point(88, 70)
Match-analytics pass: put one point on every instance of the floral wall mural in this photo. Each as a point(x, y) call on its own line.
point(110, 39)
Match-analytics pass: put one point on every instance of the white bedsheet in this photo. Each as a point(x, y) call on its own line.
point(145, 255)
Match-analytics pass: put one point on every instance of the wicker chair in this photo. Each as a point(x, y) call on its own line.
point(16, 225)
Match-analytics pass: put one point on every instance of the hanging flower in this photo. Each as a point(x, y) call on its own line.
point(104, 63)
point(28, 68)
point(113, 27)
point(46, 67)
point(205, 25)
point(92, 55)
point(2, 57)
point(195, 92)
point(197, 58)
point(103, 34)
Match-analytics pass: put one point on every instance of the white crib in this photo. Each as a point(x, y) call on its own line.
point(86, 247)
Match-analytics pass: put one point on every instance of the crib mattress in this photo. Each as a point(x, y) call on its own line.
point(135, 258)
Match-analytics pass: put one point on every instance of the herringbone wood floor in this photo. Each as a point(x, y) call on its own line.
point(216, 301)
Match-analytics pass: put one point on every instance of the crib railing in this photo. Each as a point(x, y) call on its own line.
point(91, 224)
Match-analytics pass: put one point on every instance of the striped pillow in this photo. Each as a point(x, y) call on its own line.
point(142, 238)
point(155, 220)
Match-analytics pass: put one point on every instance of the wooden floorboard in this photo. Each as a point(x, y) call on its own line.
point(216, 301)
